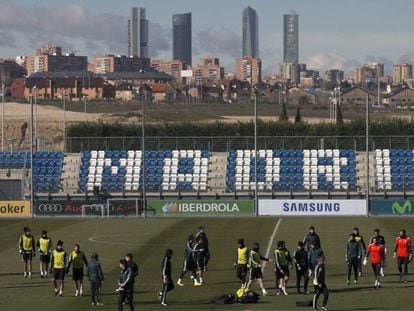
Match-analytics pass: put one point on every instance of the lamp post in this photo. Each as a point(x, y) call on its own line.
point(2, 117)
point(64, 120)
point(256, 200)
point(31, 151)
point(367, 149)
point(35, 116)
point(144, 184)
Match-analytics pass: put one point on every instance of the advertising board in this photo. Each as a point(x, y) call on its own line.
point(12, 209)
point(389, 207)
point(200, 208)
point(312, 207)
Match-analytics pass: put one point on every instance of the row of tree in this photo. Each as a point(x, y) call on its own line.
point(357, 127)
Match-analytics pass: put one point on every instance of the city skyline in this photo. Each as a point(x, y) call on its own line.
point(182, 48)
point(250, 33)
point(330, 33)
point(138, 35)
point(291, 38)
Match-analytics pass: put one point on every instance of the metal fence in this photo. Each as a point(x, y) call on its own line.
point(213, 143)
point(225, 143)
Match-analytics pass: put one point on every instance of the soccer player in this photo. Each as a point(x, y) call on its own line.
point(353, 255)
point(256, 268)
point(96, 277)
point(320, 285)
point(58, 265)
point(241, 262)
point(360, 239)
point(134, 270)
point(301, 260)
point(311, 237)
point(202, 233)
point(44, 245)
point(314, 253)
point(189, 264)
point(283, 262)
point(78, 259)
point(199, 259)
point(404, 254)
point(377, 252)
point(27, 250)
point(167, 282)
point(124, 289)
point(381, 240)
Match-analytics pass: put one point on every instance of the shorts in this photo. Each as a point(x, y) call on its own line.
point(59, 274)
point(241, 270)
point(77, 274)
point(256, 273)
point(27, 256)
point(188, 265)
point(280, 274)
point(45, 258)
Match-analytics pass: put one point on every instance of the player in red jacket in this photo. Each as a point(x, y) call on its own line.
point(404, 254)
point(376, 250)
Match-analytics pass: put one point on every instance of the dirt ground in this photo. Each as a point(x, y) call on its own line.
point(50, 119)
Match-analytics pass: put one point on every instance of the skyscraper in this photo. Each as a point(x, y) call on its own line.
point(291, 38)
point(138, 36)
point(250, 33)
point(182, 37)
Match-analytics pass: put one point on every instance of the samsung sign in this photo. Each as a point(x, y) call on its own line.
point(312, 207)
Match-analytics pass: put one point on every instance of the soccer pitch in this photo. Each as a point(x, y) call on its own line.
point(147, 240)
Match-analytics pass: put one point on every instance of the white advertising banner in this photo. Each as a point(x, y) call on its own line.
point(312, 207)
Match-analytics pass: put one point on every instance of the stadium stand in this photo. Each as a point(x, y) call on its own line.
point(199, 170)
point(47, 167)
point(394, 169)
point(292, 170)
point(114, 171)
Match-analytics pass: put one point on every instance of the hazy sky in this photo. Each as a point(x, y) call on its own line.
point(333, 34)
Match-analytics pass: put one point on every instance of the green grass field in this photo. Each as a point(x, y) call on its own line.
point(147, 239)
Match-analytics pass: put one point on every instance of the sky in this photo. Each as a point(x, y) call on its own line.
point(332, 33)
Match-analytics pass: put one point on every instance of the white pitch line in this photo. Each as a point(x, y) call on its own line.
point(269, 246)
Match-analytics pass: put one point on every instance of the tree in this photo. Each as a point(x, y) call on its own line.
point(339, 117)
point(298, 117)
point(283, 113)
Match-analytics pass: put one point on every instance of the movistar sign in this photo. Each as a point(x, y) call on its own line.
point(392, 207)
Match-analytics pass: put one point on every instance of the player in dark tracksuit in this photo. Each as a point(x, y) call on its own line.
point(360, 239)
point(353, 258)
point(314, 252)
point(167, 282)
point(301, 260)
point(320, 285)
point(134, 270)
point(202, 233)
point(189, 264)
point(311, 238)
point(199, 259)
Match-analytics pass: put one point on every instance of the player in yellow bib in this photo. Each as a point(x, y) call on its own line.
point(27, 250)
point(44, 245)
point(58, 264)
point(241, 264)
point(77, 259)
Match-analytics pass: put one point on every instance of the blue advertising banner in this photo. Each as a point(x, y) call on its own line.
point(391, 207)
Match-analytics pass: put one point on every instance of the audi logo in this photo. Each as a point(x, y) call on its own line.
point(50, 208)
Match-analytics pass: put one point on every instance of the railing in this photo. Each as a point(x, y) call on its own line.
point(214, 143)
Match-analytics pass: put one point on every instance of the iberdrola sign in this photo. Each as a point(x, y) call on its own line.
point(392, 207)
point(183, 208)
